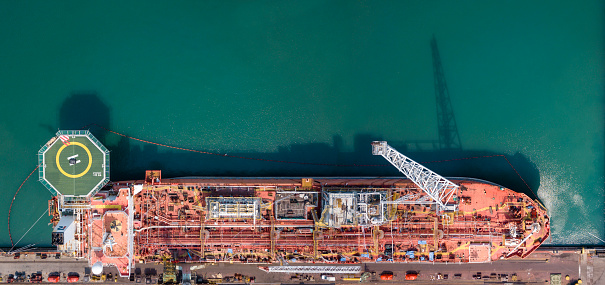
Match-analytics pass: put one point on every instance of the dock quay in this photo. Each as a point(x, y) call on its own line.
point(586, 264)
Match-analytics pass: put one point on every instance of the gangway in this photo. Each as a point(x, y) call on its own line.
point(202, 234)
point(316, 269)
point(315, 234)
point(375, 239)
point(273, 235)
point(29, 246)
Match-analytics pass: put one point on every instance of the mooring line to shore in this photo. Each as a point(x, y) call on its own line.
point(12, 201)
point(596, 237)
point(30, 228)
point(511, 165)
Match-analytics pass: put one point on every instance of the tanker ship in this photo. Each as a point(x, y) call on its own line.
point(419, 217)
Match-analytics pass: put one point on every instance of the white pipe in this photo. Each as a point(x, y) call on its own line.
point(221, 226)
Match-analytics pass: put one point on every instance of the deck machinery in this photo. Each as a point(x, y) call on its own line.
point(423, 217)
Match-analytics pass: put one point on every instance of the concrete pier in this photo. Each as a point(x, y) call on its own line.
point(577, 263)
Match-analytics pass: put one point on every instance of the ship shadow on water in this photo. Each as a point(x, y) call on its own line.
point(130, 159)
point(80, 110)
point(325, 160)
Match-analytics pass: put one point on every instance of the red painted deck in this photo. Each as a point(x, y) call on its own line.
point(171, 218)
point(109, 217)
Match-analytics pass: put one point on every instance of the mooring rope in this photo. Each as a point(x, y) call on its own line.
point(30, 228)
point(11, 206)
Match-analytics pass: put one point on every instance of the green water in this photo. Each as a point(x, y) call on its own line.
point(309, 81)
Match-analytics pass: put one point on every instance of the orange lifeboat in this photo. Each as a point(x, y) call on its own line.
point(54, 278)
point(411, 276)
point(386, 275)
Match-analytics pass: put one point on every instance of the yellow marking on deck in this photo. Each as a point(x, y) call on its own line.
point(83, 172)
point(107, 206)
point(487, 208)
point(464, 246)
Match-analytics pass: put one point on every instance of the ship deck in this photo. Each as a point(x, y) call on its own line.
point(267, 220)
point(108, 234)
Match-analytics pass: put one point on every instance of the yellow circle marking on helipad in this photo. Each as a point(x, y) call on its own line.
point(81, 173)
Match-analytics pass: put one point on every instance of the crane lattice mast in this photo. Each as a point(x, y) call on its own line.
point(435, 186)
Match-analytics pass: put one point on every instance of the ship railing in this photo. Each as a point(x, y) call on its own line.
point(41, 171)
point(73, 132)
point(75, 207)
point(66, 202)
point(130, 231)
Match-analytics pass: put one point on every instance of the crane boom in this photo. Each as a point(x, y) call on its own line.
point(435, 186)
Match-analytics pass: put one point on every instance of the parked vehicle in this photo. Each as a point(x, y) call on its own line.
point(36, 278)
point(328, 277)
point(73, 277)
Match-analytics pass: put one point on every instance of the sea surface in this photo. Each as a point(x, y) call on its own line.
point(310, 82)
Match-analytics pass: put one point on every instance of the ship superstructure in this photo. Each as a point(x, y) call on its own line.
point(421, 218)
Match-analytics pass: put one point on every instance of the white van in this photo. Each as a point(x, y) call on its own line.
point(328, 277)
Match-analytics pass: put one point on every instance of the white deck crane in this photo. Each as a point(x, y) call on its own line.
point(435, 186)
